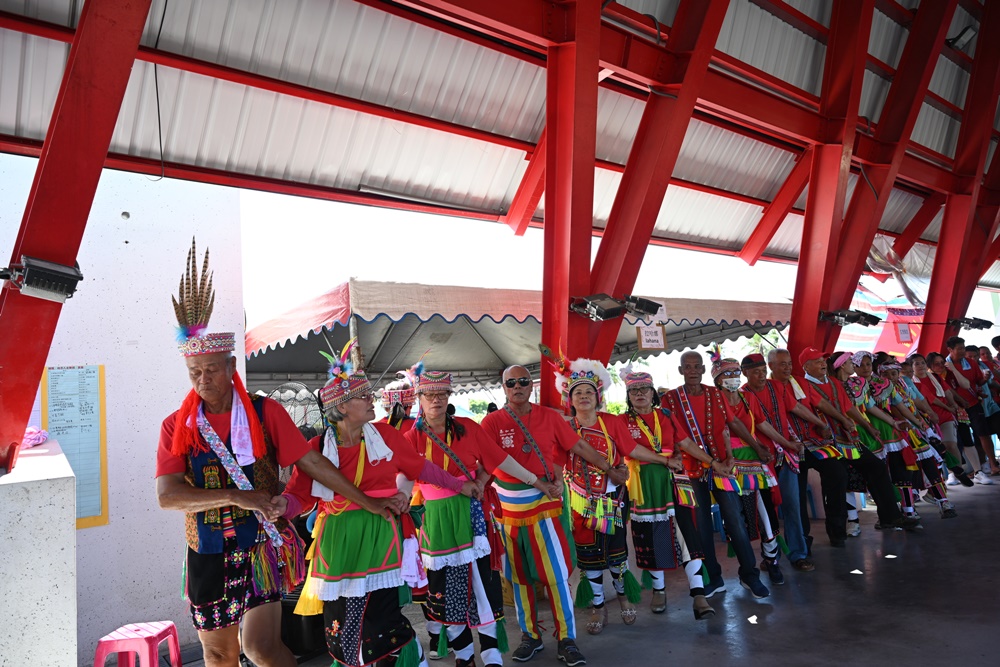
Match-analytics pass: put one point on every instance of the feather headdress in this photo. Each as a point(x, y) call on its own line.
point(193, 307)
point(345, 382)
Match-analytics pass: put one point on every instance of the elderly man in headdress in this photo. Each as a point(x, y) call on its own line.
point(217, 462)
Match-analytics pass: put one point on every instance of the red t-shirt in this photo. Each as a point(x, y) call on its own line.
point(472, 448)
point(717, 439)
point(285, 436)
point(930, 395)
point(378, 477)
point(836, 394)
point(776, 403)
point(671, 431)
point(975, 377)
point(750, 413)
point(801, 428)
point(551, 432)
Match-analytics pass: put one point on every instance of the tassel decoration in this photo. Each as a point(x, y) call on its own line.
point(503, 644)
point(647, 580)
point(783, 545)
point(584, 593)
point(409, 655)
point(632, 590)
point(442, 648)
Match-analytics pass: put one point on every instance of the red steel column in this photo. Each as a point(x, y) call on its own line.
point(652, 158)
point(571, 143)
point(965, 238)
point(843, 73)
point(76, 144)
point(918, 224)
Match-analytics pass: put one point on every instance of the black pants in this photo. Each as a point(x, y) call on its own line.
point(833, 479)
point(879, 483)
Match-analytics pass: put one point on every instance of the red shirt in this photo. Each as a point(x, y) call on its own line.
point(379, 477)
point(776, 403)
point(975, 377)
point(715, 440)
point(472, 448)
point(750, 413)
point(285, 437)
point(621, 444)
point(834, 392)
point(799, 427)
point(551, 432)
point(671, 430)
point(930, 394)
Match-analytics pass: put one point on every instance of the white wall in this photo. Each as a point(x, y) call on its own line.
point(121, 316)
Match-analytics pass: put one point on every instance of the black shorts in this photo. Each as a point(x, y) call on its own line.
point(220, 587)
point(980, 426)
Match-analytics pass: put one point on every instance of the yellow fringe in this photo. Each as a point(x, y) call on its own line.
point(417, 498)
point(309, 604)
point(634, 482)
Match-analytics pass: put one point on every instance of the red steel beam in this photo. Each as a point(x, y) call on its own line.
point(850, 27)
point(55, 216)
point(777, 210)
point(899, 115)
point(654, 153)
point(965, 239)
point(529, 192)
point(571, 138)
point(918, 224)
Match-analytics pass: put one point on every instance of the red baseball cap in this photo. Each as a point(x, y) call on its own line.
point(810, 354)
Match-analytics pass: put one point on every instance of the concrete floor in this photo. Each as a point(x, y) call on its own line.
point(936, 602)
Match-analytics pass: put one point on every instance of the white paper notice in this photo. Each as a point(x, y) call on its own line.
point(74, 419)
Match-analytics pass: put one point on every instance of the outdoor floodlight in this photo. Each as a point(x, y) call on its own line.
point(598, 307)
point(636, 305)
point(962, 39)
point(970, 323)
point(43, 279)
point(845, 317)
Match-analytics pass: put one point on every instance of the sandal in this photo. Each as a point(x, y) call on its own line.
point(598, 619)
point(628, 610)
point(658, 604)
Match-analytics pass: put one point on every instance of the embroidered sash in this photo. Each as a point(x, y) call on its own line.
point(531, 442)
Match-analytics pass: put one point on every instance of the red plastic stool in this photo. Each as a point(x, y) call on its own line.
point(141, 638)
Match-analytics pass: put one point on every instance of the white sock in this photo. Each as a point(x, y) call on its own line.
point(464, 653)
point(692, 569)
point(658, 579)
point(596, 581)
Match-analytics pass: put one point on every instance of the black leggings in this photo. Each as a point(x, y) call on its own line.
point(833, 479)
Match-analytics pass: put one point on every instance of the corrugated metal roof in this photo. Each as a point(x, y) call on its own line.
point(759, 38)
point(354, 50)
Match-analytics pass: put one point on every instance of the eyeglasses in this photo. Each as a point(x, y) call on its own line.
point(365, 397)
point(437, 396)
point(639, 391)
point(510, 383)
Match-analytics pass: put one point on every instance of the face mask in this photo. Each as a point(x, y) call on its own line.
point(731, 384)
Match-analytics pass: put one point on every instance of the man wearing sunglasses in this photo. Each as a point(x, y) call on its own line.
point(534, 526)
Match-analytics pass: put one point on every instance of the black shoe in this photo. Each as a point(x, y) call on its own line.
point(528, 648)
point(910, 523)
point(471, 662)
point(837, 544)
point(569, 653)
point(715, 586)
point(965, 479)
point(773, 571)
point(804, 565)
point(755, 586)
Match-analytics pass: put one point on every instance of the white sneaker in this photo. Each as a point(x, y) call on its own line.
point(947, 510)
point(980, 478)
point(853, 528)
point(952, 480)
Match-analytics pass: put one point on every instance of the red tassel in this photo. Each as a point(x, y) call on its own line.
point(186, 437)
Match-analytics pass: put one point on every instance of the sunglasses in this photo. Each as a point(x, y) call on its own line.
point(510, 383)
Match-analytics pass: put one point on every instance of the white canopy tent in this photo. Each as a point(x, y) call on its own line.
point(473, 332)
